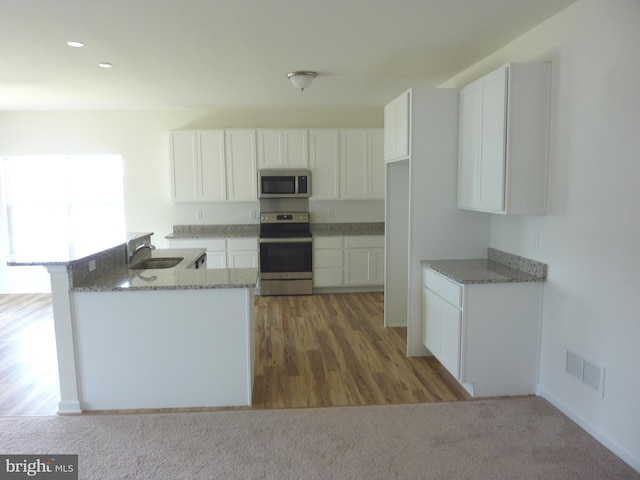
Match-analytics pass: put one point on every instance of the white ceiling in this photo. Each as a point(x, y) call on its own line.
point(234, 53)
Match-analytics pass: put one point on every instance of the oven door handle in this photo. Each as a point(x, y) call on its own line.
point(286, 240)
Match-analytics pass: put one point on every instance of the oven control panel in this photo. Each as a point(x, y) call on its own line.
point(275, 217)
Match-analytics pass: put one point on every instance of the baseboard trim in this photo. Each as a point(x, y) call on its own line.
point(626, 456)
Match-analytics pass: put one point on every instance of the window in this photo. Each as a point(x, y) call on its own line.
point(60, 206)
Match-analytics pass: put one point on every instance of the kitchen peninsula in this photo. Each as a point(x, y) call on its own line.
point(139, 338)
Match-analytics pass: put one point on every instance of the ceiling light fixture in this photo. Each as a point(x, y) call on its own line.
point(75, 44)
point(105, 64)
point(302, 79)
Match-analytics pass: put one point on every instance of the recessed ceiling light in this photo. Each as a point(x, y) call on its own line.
point(106, 64)
point(75, 44)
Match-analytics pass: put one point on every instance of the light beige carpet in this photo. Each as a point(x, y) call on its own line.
point(490, 439)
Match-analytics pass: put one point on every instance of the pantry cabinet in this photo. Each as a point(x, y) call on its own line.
point(279, 148)
point(503, 140)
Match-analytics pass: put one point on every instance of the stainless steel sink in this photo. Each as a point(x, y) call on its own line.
point(156, 263)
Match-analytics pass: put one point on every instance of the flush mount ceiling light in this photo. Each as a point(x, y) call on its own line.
point(105, 64)
point(75, 44)
point(302, 79)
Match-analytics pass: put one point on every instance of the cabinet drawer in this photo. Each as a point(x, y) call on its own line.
point(243, 243)
point(212, 244)
point(327, 258)
point(327, 242)
point(442, 286)
point(364, 241)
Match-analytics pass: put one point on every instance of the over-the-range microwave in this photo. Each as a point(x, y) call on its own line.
point(284, 183)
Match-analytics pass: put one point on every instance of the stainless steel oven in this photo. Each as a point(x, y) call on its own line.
point(286, 254)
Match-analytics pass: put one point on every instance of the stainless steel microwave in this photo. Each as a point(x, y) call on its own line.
point(281, 183)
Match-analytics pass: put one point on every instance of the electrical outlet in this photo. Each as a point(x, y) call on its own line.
point(92, 265)
point(198, 214)
point(535, 241)
point(330, 212)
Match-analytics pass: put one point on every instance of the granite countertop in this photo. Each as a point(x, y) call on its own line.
point(123, 278)
point(253, 230)
point(498, 267)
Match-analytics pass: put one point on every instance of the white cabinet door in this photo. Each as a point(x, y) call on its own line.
point(184, 166)
point(492, 144)
point(353, 164)
point(377, 170)
point(212, 165)
point(242, 253)
point(324, 157)
point(364, 260)
point(282, 148)
point(362, 168)
point(432, 321)
point(450, 338)
point(396, 128)
point(441, 330)
point(242, 179)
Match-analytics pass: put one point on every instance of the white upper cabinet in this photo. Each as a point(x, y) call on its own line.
point(503, 141)
point(361, 164)
point(324, 162)
point(242, 176)
point(396, 128)
point(198, 166)
point(279, 148)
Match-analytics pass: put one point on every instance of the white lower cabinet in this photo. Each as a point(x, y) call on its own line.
point(349, 261)
point(327, 262)
point(486, 335)
point(364, 260)
point(223, 252)
point(242, 253)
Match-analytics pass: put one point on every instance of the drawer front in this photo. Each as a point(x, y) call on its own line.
point(364, 241)
point(327, 258)
point(212, 244)
point(442, 286)
point(243, 243)
point(327, 242)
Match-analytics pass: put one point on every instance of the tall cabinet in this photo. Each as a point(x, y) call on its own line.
point(422, 220)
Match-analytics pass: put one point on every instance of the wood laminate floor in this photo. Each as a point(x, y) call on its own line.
point(330, 350)
point(28, 363)
point(311, 351)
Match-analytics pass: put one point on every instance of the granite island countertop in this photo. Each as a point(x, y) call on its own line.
point(498, 267)
point(180, 277)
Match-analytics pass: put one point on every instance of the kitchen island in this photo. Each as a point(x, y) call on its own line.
point(136, 338)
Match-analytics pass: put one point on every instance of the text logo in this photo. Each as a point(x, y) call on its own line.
point(51, 467)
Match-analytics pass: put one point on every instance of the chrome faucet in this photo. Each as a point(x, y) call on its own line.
point(142, 246)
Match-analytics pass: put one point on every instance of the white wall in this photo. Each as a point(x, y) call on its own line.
point(142, 137)
point(590, 236)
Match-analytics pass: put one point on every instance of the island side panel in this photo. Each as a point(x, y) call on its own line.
point(163, 348)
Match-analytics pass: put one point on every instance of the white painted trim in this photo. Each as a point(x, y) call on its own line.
point(634, 462)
